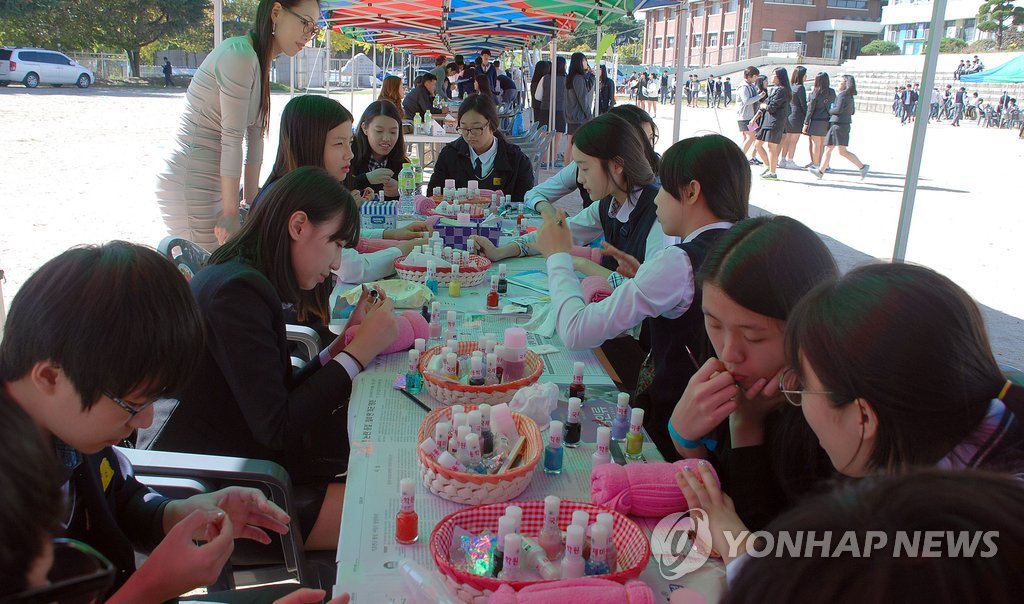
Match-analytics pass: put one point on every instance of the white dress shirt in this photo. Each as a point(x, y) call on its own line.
point(663, 286)
point(486, 158)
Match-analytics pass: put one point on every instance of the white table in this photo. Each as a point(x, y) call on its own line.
point(383, 428)
point(420, 140)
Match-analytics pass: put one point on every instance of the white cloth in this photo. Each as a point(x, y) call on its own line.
point(363, 268)
point(663, 286)
point(343, 358)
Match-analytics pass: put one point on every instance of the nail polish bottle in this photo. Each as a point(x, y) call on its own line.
point(435, 320)
point(553, 453)
point(515, 512)
point(486, 436)
point(635, 438)
point(452, 332)
point(451, 366)
point(602, 455)
point(442, 433)
point(413, 378)
point(597, 564)
point(420, 345)
point(431, 280)
point(514, 367)
point(461, 436)
point(448, 461)
point(476, 376)
point(475, 421)
point(536, 560)
point(573, 431)
point(492, 297)
point(502, 279)
point(455, 286)
point(407, 523)
point(499, 353)
point(430, 448)
point(573, 565)
point(620, 426)
point(474, 461)
point(608, 522)
point(510, 562)
point(576, 388)
point(550, 537)
point(505, 526)
point(492, 370)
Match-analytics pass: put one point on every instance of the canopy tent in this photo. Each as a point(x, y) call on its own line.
point(1009, 72)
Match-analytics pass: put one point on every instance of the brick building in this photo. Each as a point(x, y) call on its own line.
point(723, 31)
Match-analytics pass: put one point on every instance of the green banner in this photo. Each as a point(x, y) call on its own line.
point(606, 43)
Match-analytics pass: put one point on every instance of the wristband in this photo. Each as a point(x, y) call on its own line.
point(708, 442)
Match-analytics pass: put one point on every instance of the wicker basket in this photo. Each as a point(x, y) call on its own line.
point(457, 393)
point(473, 274)
point(470, 488)
point(634, 550)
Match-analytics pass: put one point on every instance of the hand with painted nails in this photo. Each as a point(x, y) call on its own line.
point(709, 398)
point(702, 487)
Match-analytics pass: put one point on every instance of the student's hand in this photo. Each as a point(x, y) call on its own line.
point(760, 399)
point(411, 231)
point(701, 489)
point(378, 176)
point(377, 331)
point(227, 225)
point(492, 252)
point(306, 595)
point(248, 509)
point(364, 304)
point(709, 398)
point(408, 245)
point(554, 236)
point(391, 188)
point(589, 268)
point(546, 210)
point(628, 265)
point(178, 565)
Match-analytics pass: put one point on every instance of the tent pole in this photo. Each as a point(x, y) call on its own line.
point(352, 78)
point(327, 80)
point(677, 115)
point(597, 67)
point(218, 22)
point(552, 99)
point(935, 34)
point(373, 80)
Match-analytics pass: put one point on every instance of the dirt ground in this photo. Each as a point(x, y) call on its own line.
point(79, 166)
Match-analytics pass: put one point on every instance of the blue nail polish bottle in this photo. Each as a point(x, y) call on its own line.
point(554, 453)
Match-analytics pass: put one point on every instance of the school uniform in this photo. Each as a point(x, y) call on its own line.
point(773, 122)
point(842, 111)
point(797, 110)
point(817, 119)
point(503, 167)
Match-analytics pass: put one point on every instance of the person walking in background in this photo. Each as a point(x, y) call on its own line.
point(747, 109)
point(774, 111)
point(579, 94)
point(607, 100)
point(839, 130)
point(168, 70)
point(958, 105)
point(816, 122)
point(727, 91)
point(936, 102)
point(795, 119)
point(664, 87)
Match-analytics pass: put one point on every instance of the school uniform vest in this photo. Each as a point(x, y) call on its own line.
point(673, 367)
point(631, 236)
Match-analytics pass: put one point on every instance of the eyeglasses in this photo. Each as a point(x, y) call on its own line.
point(654, 138)
point(471, 131)
point(795, 395)
point(132, 410)
point(309, 27)
point(79, 575)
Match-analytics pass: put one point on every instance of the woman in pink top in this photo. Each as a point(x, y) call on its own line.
point(228, 100)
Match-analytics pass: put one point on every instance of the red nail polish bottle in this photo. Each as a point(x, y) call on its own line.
point(407, 523)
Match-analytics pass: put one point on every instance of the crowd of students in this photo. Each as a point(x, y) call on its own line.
point(816, 396)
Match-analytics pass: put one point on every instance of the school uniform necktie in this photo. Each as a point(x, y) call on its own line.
point(479, 168)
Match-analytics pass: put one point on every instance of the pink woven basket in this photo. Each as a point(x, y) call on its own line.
point(475, 489)
point(634, 549)
point(469, 276)
point(457, 393)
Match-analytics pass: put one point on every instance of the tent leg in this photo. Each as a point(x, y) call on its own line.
point(373, 80)
point(899, 253)
point(677, 114)
point(327, 40)
point(552, 152)
point(352, 79)
point(597, 67)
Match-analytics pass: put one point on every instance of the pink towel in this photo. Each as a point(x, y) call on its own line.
point(411, 325)
point(595, 289)
point(646, 490)
point(590, 253)
point(368, 246)
point(591, 590)
point(424, 204)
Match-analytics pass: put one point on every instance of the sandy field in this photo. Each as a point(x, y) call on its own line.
point(79, 166)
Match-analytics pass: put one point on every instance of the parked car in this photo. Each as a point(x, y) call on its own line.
point(35, 66)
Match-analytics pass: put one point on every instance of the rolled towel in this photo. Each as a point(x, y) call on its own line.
point(411, 325)
point(590, 253)
point(368, 246)
point(646, 490)
point(424, 204)
point(595, 289)
point(591, 590)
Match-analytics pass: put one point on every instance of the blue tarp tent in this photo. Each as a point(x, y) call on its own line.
point(1009, 72)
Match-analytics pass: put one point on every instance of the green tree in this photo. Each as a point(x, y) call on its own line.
point(997, 15)
point(58, 24)
point(132, 24)
point(880, 47)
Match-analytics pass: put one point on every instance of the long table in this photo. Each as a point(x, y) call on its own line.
point(383, 426)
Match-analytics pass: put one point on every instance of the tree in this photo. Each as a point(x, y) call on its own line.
point(880, 47)
point(132, 24)
point(997, 15)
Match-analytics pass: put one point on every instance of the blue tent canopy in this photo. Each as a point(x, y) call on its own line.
point(1009, 72)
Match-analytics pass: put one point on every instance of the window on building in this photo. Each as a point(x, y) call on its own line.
point(730, 38)
point(712, 40)
point(700, 10)
point(801, 2)
point(801, 36)
point(715, 8)
point(657, 43)
point(854, 4)
point(670, 42)
point(696, 40)
point(767, 35)
point(733, 5)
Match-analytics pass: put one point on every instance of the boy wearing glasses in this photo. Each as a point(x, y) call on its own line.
point(93, 338)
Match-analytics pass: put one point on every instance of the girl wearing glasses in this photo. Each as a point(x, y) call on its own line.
point(732, 410)
point(483, 154)
point(228, 100)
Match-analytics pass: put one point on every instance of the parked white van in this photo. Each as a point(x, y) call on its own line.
point(35, 66)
